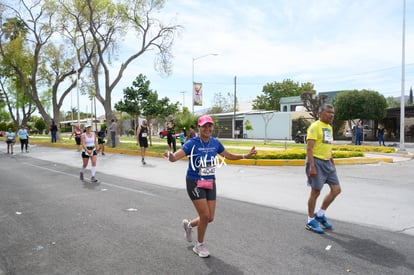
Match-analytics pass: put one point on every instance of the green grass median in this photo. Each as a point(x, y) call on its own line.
point(269, 150)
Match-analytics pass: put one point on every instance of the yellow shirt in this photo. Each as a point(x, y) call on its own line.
point(323, 136)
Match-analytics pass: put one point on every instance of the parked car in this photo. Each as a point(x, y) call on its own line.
point(368, 132)
point(2, 134)
point(348, 133)
point(163, 133)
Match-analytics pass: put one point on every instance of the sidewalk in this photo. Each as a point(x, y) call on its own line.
point(370, 157)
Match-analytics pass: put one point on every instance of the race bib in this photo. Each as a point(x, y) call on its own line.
point(205, 184)
point(327, 136)
point(144, 135)
point(207, 171)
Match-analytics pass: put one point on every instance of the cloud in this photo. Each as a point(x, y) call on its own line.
point(335, 44)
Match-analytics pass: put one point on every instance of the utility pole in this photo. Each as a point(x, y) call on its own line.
point(234, 109)
point(402, 102)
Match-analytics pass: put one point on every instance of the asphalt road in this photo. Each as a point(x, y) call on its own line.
point(51, 223)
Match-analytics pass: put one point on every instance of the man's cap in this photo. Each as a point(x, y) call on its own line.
point(88, 125)
point(205, 119)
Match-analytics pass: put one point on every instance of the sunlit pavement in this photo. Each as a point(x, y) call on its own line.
point(383, 188)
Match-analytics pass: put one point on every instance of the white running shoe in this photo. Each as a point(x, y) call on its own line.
point(201, 250)
point(188, 230)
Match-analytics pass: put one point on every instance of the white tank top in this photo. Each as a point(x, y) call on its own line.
point(90, 141)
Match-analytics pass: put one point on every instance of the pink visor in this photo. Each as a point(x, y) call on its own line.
point(205, 119)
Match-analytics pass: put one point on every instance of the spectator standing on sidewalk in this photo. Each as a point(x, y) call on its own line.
point(381, 134)
point(142, 134)
point(24, 138)
point(77, 132)
point(10, 140)
point(101, 140)
point(201, 180)
point(112, 129)
point(320, 168)
point(89, 146)
point(171, 138)
point(53, 131)
point(359, 132)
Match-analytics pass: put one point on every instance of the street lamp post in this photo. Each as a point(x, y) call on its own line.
point(77, 97)
point(192, 76)
point(402, 102)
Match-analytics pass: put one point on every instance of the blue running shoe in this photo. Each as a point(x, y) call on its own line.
point(314, 226)
point(322, 220)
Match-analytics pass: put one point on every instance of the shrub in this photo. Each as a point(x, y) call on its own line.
point(40, 125)
point(129, 132)
point(301, 154)
point(362, 148)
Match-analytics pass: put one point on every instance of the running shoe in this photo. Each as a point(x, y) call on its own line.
point(81, 175)
point(314, 226)
point(201, 250)
point(322, 220)
point(143, 162)
point(188, 230)
point(93, 179)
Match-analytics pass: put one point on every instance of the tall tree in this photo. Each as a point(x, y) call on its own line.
point(133, 97)
point(63, 37)
point(272, 92)
point(42, 62)
point(359, 104)
point(139, 100)
point(19, 106)
point(108, 22)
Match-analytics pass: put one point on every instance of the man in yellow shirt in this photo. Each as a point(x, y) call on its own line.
point(320, 168)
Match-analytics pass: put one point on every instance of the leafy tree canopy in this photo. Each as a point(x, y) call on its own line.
point(392, 102)
point(140, 100)
point(362, 104)
point(272, 92)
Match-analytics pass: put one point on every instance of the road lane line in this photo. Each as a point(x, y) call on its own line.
point(103, 183)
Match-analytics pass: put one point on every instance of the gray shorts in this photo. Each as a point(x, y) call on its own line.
point(326, 173)
point(196, 193)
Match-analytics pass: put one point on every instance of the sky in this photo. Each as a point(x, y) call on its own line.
point(334, 44)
